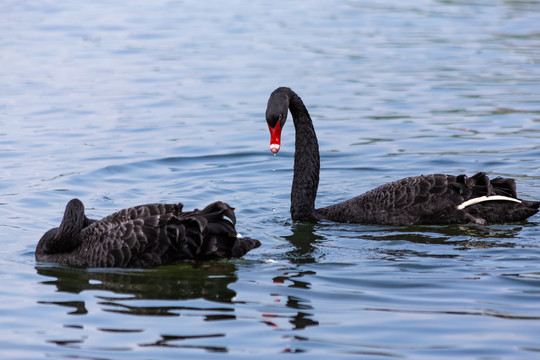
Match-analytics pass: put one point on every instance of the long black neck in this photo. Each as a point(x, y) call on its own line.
point(306, 162)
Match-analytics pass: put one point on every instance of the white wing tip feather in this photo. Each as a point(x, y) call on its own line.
point(480, 199)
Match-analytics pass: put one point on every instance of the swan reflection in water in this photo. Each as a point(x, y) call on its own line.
point(312, 242)
point(210, 281)
point(117, 291)
point(174, 287)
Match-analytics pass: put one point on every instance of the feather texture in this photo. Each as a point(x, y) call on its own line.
point(425, 199)
point(143, 236)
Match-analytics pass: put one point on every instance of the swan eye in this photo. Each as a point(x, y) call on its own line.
point(280, 117)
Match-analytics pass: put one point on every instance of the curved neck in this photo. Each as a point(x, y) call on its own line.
point(306, 162)
point(67, 236)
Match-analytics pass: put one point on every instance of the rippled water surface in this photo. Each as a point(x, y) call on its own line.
point(125, 103)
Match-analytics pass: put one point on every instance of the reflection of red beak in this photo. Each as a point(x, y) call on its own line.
point(275, 138)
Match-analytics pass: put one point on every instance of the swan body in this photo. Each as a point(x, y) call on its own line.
point(143, 236)
point(424, 199)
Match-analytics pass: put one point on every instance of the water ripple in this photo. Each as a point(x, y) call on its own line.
point(129, 103)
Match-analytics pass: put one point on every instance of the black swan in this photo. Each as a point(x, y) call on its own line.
point(425, 199)
point(143, 236)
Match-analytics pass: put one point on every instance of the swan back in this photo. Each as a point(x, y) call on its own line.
point(146, 236)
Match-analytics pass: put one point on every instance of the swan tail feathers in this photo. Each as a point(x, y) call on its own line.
point(493, 200)
point(210, 233)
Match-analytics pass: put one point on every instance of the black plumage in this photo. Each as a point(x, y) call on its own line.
point(425, 199)
point(143, 236)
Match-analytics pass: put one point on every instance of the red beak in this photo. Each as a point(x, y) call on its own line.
point(275, 138)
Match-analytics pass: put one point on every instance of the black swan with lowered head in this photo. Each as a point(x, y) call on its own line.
point(425, 199)
point(143, 236)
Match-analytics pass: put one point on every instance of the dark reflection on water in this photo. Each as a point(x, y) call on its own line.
point(122, 103)
point(209, 281)
point(461, 236)
point(304, 241)
point(304, 317)
point(126, 288)
point(167, 341)
point(307, 238)
point(475, 235)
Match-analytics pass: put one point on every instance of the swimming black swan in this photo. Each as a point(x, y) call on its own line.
point(425, 199)
point(143, 236)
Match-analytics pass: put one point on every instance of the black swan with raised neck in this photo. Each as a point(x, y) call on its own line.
point(424, 199)
point(143, 236)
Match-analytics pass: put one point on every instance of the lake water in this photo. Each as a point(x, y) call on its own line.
point(130, 102)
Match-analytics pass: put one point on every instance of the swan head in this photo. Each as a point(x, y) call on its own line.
point(276, 116)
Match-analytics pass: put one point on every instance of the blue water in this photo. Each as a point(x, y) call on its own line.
point(126, 103)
